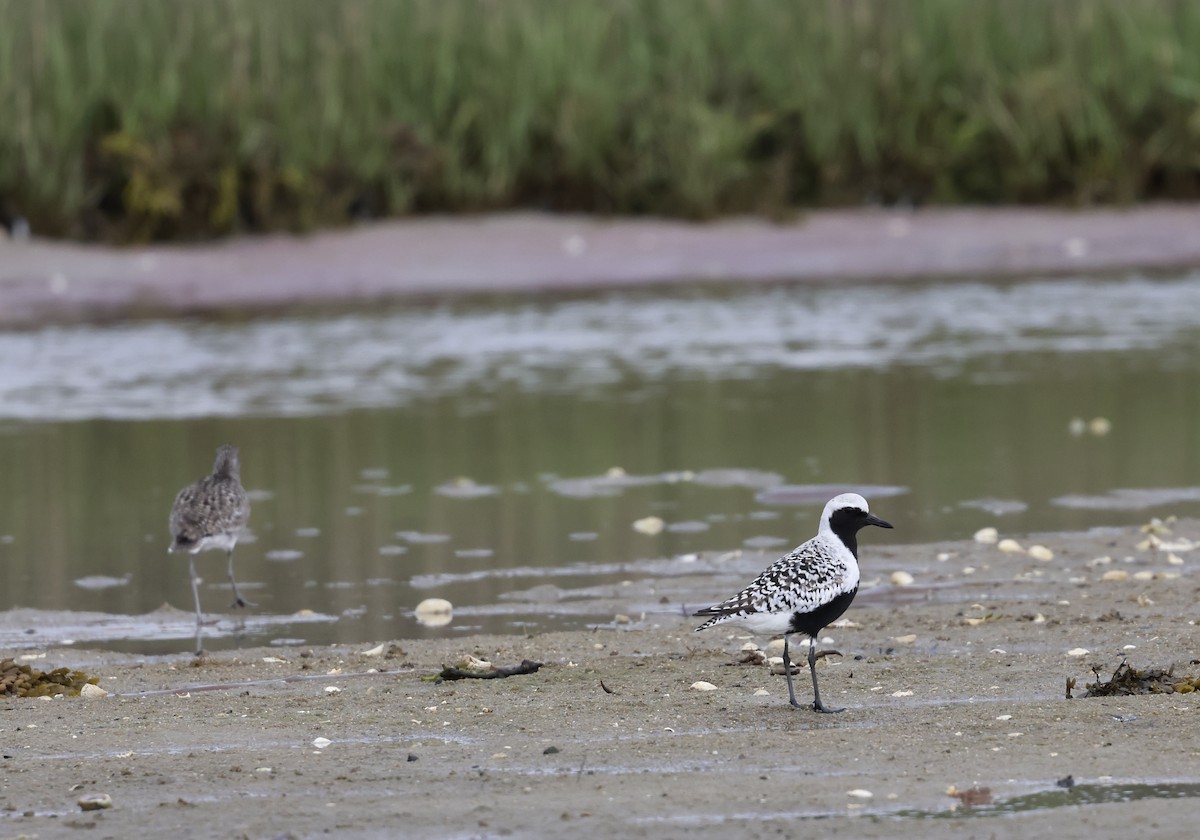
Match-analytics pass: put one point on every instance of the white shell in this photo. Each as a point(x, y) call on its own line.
point(988, 536)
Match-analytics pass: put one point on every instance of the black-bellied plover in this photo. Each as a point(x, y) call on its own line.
point(807, 589)
point(211, 513)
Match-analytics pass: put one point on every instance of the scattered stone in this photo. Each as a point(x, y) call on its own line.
point(413, 757)
point(762, 692)
point(1010, 546)
point(907, 639)
point(902, 579)
point(321, 743)
point(701, 685)
point(1115, 575)
point(859, 793)
point(332, 689)
point(1078, 652)
point(550, 751)
point(95, 802)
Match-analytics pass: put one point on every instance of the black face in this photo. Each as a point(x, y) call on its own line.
point(848, 521)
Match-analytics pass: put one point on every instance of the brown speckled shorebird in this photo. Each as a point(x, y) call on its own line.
point(211, 513)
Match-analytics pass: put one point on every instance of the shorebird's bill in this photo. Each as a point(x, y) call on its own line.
point(872, 519)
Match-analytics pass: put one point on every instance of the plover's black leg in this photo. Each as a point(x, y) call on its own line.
point(238, 600)
point(812, 666)
point(787, 670)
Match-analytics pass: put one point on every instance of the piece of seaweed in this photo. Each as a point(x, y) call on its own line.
point(18, 680)
point(1127, 680)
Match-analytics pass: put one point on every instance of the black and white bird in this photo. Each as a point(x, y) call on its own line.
point(211, 513)
point(806, 589)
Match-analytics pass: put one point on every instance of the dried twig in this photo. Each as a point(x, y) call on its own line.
point(527, 666)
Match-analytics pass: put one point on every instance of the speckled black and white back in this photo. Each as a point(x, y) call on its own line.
point(211, 512)
point(814, 580)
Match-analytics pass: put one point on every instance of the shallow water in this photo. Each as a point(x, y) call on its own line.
point(489, 447)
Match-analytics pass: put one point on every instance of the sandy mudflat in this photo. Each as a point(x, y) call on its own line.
point(500, 254)
point(961, 703)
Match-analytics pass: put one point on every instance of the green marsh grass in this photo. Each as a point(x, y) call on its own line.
point(133, 120)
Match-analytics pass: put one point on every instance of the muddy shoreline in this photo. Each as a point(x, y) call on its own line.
point(941, 690)
point(431, 258)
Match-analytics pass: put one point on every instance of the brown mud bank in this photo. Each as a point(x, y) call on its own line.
point(435, 257)
point(957, 680)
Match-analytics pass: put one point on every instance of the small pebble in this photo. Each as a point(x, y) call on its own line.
point(902, 694)
point(321, 743)
point(906, 639)
point(550, 751)
point(92, 692)
point(1009, 546)
point(701, 685)
point(1174, 559)
point(1078, 652)
point(95, 802)
point(762, 692)
point(1143, 575)
point(859, 793)
point(332, 689)
point(1100, 426)
point(1040, 552)
point(902, 579)
point(1115, 575)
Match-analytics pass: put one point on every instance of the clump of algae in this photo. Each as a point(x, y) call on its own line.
point(1127, 680)
point(17, 680)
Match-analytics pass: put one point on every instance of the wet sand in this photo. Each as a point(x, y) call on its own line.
point(502, 254)
point(956, 680)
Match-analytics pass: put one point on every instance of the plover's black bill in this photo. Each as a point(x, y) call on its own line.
point(872, 519)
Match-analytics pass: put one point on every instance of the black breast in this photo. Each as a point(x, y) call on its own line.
point(813, 622)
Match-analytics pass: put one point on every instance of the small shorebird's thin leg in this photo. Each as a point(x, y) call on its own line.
point(238, 600)
point(812, 666)
point(787, 670)
point(196, 595)
point(195, 589)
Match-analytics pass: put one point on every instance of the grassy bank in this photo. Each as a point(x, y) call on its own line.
point(144, 119)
